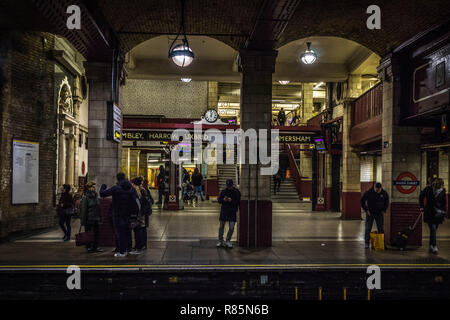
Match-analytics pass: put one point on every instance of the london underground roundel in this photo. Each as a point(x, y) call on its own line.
point(406, 182)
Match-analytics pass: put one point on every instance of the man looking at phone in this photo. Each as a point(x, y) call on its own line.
point(230, 198)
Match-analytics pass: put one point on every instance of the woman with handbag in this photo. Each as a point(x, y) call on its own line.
point(65, 211)
point(91, 216)
point(434, 209)
point(137, 221)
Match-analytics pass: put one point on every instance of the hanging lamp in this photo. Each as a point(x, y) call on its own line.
point(181, 54)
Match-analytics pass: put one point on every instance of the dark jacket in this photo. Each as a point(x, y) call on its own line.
point(197, 179)
point(65, 202)
point(90, 209)
point(430, 203)
point(123, 198)
point(376, 202)
point(160, 179)
point(281, 117)
point(229, 209)
point(146, 202)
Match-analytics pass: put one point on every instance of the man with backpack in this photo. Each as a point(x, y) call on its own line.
point(160, 181)
point(124, 205)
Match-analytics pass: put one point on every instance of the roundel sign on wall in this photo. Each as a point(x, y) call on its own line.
point(406, 182)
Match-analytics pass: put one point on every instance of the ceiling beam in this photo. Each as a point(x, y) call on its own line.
point(272, 19)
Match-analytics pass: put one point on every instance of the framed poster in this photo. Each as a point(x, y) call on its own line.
point(25, 172)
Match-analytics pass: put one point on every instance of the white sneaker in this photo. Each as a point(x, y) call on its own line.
point(435, 250)
point(120, 255)
point(229, 245)
point(135, 252)
point(219, 244)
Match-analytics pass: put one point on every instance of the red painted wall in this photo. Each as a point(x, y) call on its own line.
point(212, 187)
point(246, 231)
point(404, 215)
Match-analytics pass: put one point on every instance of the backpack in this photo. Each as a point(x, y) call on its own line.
point(146, 203)
point(135, 206)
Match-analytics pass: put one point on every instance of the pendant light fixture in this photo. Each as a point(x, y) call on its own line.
point(309, 56)
point(181, 54)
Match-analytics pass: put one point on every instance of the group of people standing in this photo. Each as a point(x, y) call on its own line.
point(432, 202)
point(131, 207)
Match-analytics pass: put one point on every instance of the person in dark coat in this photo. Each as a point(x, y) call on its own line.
point(375, 202)
point(197, 181)
point(124, 205)
point(230, 198)
point(277, 181)
point(160, 181)
point(281, 117)
point(65, 211)
point(434, 209)
point(91, 215)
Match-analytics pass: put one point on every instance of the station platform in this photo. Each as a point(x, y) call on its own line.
point(186, 239)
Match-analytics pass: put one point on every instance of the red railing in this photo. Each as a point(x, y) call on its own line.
point(368, 106)
point(295, 172)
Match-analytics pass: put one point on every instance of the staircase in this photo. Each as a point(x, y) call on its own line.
point(225, 172)
point(287, 193)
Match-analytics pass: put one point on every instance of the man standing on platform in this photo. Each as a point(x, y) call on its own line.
point(230, 198)
point(375, 202)
point(161, 179)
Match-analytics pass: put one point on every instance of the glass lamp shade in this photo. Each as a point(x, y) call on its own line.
point(182, 55)
point(309, 57)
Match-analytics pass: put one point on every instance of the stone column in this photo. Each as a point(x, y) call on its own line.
point(308, 102)
point(134, 163)
point(255, 217)
point(328, 180)
point(401, 155)
point(351, 171)
point(61, 155)
point(143, 165)
point(70, 154)
point(104, 155)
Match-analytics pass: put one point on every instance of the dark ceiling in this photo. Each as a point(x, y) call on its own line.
point(230, 21)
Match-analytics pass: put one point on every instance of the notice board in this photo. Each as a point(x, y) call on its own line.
point(25, 172)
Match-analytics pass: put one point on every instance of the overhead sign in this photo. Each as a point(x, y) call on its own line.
point(25, 172)
point(142, 135)
point(410, 184)
point(114, 119)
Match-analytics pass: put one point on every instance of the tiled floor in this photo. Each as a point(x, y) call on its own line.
point(188, 237)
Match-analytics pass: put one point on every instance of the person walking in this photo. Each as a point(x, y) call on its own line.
point(277, 181)
point(230, 199)
point(281, 117)
point(374, 202)
point(124, 205)
point(160, 180)
point(65, 211)
point(434, 209)
point(91, 215)
point(197, 181)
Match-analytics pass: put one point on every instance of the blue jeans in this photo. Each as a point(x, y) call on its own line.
point(230, 230)
point(198, 189)
point(433, 231)
point(123, 233)
point(378, 217)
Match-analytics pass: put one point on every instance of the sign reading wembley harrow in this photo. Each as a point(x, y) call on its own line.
point(143, 135)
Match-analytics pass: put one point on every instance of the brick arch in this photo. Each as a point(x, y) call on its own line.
point(400, 21)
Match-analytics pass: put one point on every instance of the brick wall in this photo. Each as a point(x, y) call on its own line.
point(28, 111)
